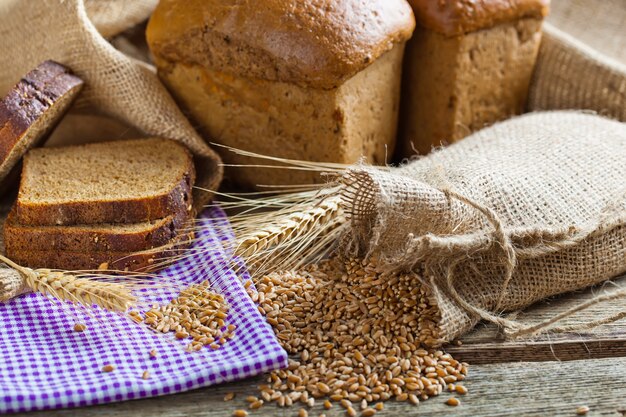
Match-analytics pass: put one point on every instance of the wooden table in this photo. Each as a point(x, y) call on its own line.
point(550, 376)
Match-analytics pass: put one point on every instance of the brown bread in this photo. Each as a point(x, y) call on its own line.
point(129, 181)
point(317, 81)
point(142, 261)
point(467, 66)
point(457, 17)
point(93, 238)
point(317, 44)
point(32, 108)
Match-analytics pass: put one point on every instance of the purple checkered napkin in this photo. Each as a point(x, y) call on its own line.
point(44, 364)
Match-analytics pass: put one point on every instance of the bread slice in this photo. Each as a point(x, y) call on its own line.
point(93, 238)
point(32, 109)
point(129, 181)
point(141, 261)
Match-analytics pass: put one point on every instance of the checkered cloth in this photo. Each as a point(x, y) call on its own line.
point(44, 364)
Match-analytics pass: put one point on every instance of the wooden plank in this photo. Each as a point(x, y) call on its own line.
point(512, 389)
point(485, 345)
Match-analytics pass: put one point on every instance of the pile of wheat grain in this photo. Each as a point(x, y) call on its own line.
point(197, 313)
point(354, 332)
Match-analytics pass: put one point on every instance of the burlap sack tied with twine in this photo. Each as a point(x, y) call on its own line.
point(116, 85)
point(526, 209)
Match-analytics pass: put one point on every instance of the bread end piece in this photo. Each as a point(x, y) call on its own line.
point(31, 110)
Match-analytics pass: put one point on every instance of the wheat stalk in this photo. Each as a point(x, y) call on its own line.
point(87, 292)
point(305, 228)
point(290, 227)
point(64, 286)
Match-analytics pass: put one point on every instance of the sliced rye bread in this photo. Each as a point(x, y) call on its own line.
point(128, 181)
point(31, 109)
point(141, 261)
point(112, 237)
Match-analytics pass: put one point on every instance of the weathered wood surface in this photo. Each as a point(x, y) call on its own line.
point(485, 345)
point(504, 389)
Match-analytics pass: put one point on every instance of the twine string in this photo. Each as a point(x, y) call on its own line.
point(508, 258)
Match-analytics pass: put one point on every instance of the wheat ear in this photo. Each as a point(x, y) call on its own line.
point(64, 286)
point(291, 227)
point(11, 284)
point(305, 228)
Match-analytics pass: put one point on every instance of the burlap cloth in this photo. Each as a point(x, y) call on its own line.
point(116, 86)
point(111, 17)
point(582, 59)
point(598, 24)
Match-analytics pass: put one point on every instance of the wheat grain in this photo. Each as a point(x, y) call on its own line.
point(108, 368)
point(197, 313)
point(357, 332)
point(582, 410)
point(453, 402)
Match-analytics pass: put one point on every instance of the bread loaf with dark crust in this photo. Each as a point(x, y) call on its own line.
point(128, 181)
point(308, 80)
point(141, 261)
point(468, 65)
point(115, 237)
point(32, 108)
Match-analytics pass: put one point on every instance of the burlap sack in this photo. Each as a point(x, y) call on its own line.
point(115, 85)
point(112, 17)
point(526, 209)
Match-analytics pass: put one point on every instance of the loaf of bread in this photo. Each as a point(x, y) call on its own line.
point(467, 66)
point(32, 108)
point(318, 81)
point(128, 181)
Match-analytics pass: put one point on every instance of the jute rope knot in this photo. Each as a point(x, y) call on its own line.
point(508, 259)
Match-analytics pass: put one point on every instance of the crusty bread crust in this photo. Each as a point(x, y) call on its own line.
point(93, 238)
point(32, 109)
point(317, 44)
point(143, 261)
point(456, 17)
point(136, 210)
